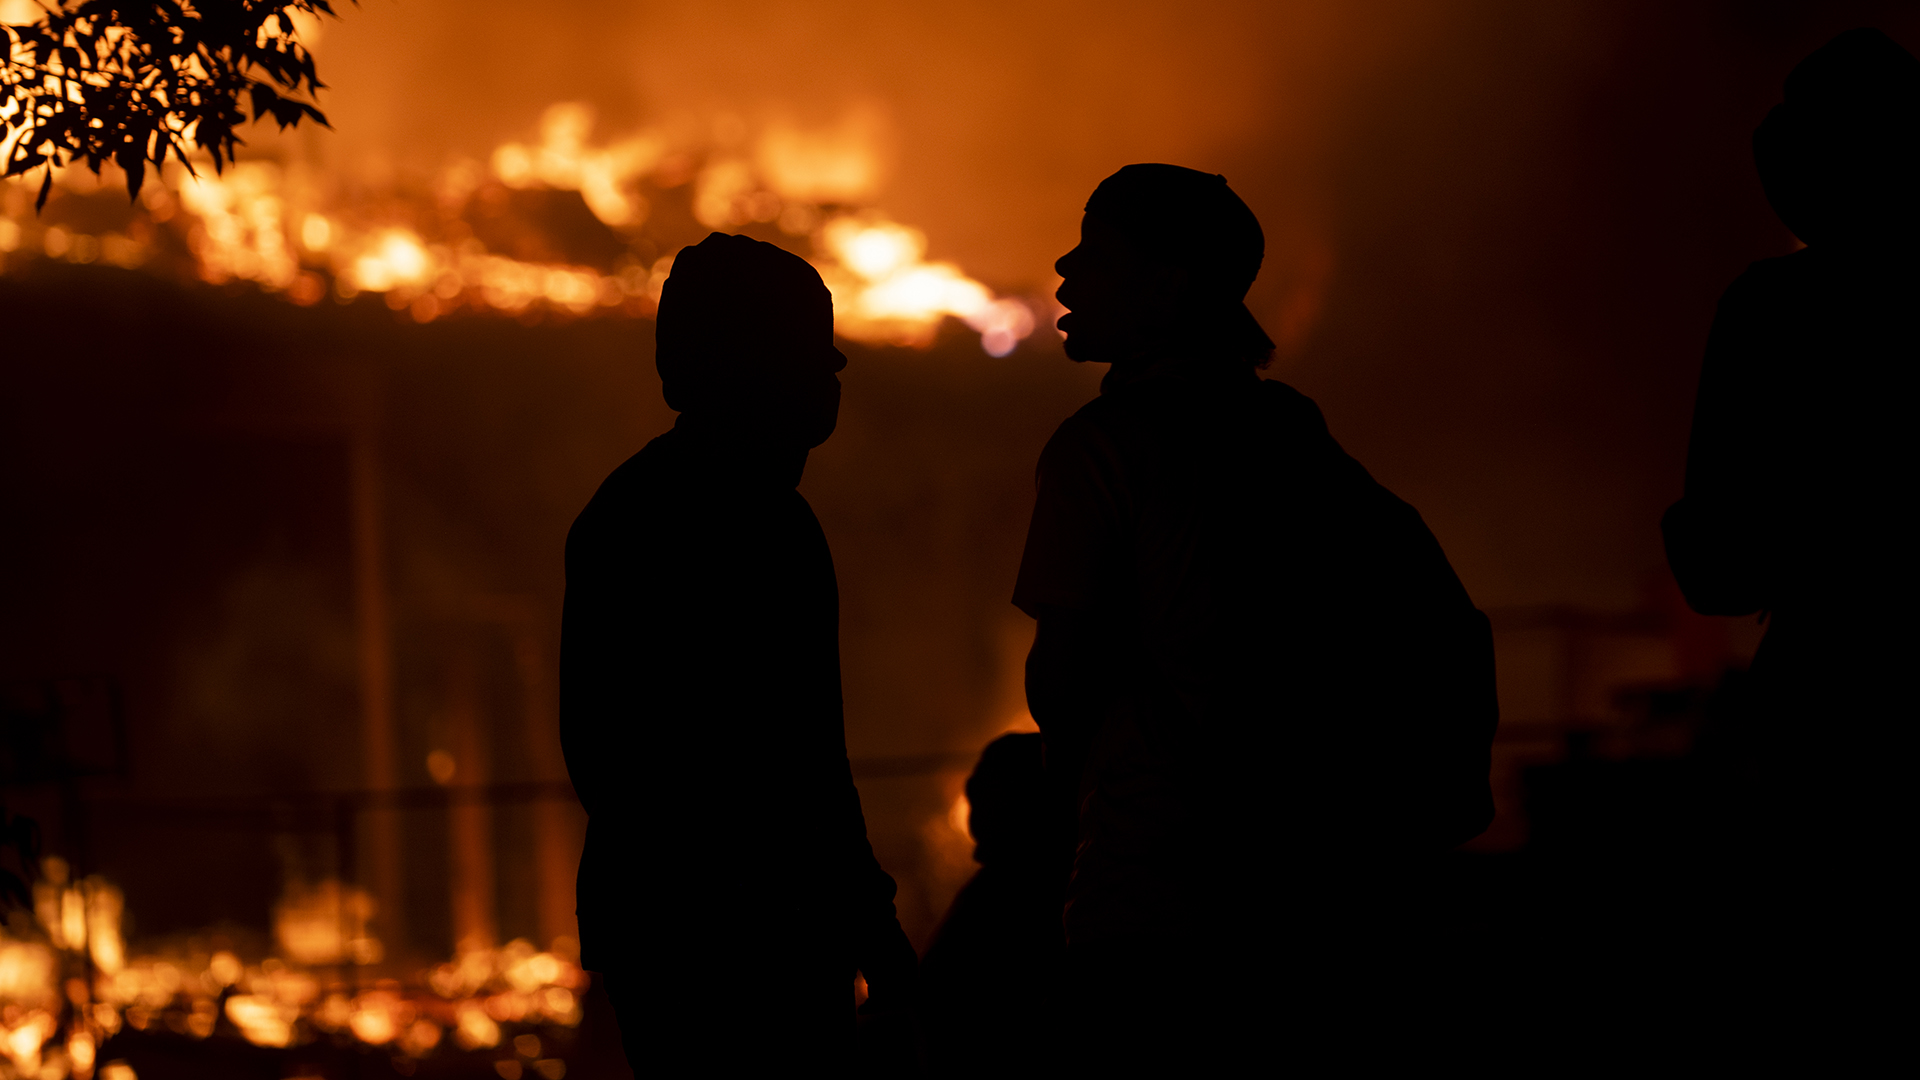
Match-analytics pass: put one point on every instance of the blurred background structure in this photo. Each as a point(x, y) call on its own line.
point(288, 454)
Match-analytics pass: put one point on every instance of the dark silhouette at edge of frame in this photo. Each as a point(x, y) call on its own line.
point(1794, 511)
point(728, 893)
point(1265, 697)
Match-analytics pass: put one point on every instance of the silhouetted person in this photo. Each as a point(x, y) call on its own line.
point(1799, 487)
point(727, 892)
point(1261, 686)
point(989, 985)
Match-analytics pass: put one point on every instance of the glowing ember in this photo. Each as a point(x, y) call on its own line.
point(26, 972)
point(275, 226)
point(53, 1029)
point(80, 1051)
point(378, 1017)
point(326, 925)
point(605, 177)
point(242, 230)
point(22, 1044)
point(474, 1029)
point(262, 1020)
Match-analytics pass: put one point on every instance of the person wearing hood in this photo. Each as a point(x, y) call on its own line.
point(727, 892)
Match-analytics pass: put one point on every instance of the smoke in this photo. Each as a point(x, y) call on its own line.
point(996, 119)
point(1496, 231)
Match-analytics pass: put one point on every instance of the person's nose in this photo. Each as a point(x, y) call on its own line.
point(1064, 264)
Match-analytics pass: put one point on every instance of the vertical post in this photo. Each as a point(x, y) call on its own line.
point(556, 853)
point(377, 735)
point(469, 817)
point(346, 822)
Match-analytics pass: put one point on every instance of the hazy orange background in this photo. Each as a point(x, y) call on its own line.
point(1000, 116)
point(1496, 230)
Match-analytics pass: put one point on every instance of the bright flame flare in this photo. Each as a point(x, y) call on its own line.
point(883, 291)
point(261, 222)
point(604, 177)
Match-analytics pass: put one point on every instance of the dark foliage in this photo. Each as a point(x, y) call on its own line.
point(130, 82)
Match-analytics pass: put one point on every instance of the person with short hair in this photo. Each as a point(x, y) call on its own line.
point(727, 892)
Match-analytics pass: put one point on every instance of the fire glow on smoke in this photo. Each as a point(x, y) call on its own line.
point(291, 231)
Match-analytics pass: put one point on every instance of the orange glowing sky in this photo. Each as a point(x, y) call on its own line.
point(1496, 231)
point(996, 118)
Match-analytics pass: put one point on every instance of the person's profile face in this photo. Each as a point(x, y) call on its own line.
point(817, 395)
point(804, 385)
point(1117, 300)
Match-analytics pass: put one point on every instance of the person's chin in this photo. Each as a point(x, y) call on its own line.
point(820, 434)
point(1084, 343)
point(817, 425)
point(1083, 348)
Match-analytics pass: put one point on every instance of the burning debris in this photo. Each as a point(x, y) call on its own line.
point(68, 985)
point(561, 226)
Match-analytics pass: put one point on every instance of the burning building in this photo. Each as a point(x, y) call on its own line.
point(290, 448)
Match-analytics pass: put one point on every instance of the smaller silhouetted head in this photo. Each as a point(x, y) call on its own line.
point(1007, 796)
point(745, 338)
point(1165, 258)
point(1840, 156)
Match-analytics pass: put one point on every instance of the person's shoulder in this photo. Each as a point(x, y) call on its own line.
point(955, 939)
point(1294, 420)
point(1290, 406)
point(632, 485)
point(1295, 428)
point(1087, 425)
point(653, 467)
point(1086, 442)
point(1149, 415)
point(1766, 281)
point(1095, 412)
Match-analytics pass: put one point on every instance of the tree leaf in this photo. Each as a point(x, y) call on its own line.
point(135, 166)
point(168, 76)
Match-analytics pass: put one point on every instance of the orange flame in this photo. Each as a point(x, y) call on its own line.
point(53, 1029)
point(272, 225)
